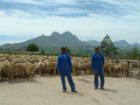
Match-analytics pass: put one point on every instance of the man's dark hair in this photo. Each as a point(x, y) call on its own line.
point(64, 49)
point(97, 49)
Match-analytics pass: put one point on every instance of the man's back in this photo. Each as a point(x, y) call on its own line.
point(64, 67)
point(97, 61)
point(64, 63)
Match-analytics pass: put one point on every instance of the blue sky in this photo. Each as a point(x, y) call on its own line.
point(88, 19)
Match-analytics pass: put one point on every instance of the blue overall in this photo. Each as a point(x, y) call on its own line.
point(97, 63)
point(64, 67)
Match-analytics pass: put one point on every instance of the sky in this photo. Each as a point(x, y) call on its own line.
point(21, 20)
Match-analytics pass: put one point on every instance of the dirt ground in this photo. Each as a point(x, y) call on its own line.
point(47, 91)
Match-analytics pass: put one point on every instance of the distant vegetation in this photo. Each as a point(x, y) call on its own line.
point(134, 54)
point(32, 48)
point(108, 47)
point(42, 52)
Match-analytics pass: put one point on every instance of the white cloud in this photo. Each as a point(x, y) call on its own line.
point(35, 2)
point(2, 13)
point(19, 22)
point(94, 27)
point(42, 2)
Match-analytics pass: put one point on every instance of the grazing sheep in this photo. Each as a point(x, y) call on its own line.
point(124, 68)
point(37, 66)
point(30, 69)
point(81, 66)
point(116, 70)
point(51, 67)
point(11, 70)
point(25, 66)
point(5, 67)
point(108, 68)
point(76, 65)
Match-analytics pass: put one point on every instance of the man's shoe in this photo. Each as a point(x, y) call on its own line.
point(95, 88)
point(74, 91)
point(102, 88)
point(64, 91)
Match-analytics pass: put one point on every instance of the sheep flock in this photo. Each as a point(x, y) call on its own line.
point(28, 66)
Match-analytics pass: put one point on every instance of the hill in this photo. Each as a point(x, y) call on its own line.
point(54, 40)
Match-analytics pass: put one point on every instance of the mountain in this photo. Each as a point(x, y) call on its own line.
point(92, 43)
point(57, 40)
point(135, 45)
point(124, 44)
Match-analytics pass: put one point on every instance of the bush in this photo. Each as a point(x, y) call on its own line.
point(32, 48)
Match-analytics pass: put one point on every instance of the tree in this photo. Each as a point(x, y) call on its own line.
point(69, 50)
point(135, 54)
point(108, 47)
point(32, 48)
point(42, 52)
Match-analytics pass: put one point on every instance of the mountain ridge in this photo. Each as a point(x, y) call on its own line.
point(57, 40)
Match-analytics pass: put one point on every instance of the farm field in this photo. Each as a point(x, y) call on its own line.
point(47, 91)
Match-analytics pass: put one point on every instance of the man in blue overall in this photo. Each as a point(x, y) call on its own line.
point(64, 67)
point(97, 63)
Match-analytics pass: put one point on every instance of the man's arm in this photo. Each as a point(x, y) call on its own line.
point(103, 59)
point(92, 61)
point(70, 62)
point(58, 64)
